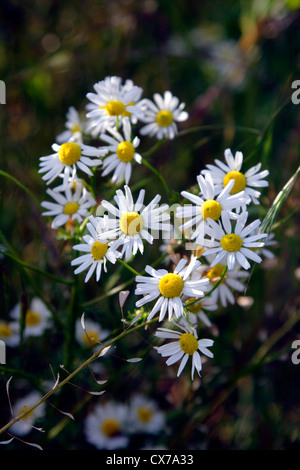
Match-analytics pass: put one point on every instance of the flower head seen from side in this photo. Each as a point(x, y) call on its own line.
point(209, 206)
point(112, 103)
point(9, 333)
point(253, 178)
point(184, 346)
point(197, 309)
point(122, 151)
point(133, 221)
point(92, 335)
point(270, 243)
point(225, 286)
point(144, 415)
point(96, 253)
point(105, 426)
point(168, 288)
point(74, 128)
point(69, 157)
point(72, 204)
point(234, 246)
point(37, 317)
point(161, 116)
point(24, 425)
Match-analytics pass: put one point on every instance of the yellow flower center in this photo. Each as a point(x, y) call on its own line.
point(5, 330)
point(170, 285)
point(75, 128)
point(144, 414)
point(125, 151)
point(231, 242)
point(188, 343)
point(69, 153)
point(32, 318)
point(215, 273)
point(99, 250)
point(91, 338)
point(131, 223)
point(164, 118)
point(195, 307)
point(114, 108)
point(127, 113)
point(71, 208)
point(110, 427)
point(211, 209)
point(240, 181)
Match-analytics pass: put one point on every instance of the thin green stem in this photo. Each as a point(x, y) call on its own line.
point(33, 268)
point(20, 185)
point(70, 327)
point(126, 265)
point(220, 127)
point(86, 363)
point(153, 149)
point(159, 176)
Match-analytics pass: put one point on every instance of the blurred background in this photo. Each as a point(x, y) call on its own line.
point(233, 64)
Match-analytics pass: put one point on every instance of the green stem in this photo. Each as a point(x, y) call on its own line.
point(20, 185)
point(86, 363)
point(33, 268)
point(153, 149)
point(128, 267)
point(220, 127)
point(70, 327)
point(159, 176)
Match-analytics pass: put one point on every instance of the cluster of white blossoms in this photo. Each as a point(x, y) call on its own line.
point(111, 425)
point(37, 319)
point(222, 243)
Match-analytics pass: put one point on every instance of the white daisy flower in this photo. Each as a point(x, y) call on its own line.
point(222, 173)
point(37, 317)
point(133, 221)
point(232, 281)
point(92, 335)
point(270, 242)
point(9, 333)
point(197, 309)
point(186, 345)
point(74, 128)
point(113, 103)
point(122, 153)
point(208, 205)
point(162, 114)
point(234, 247)
point(71, 204)
point(169, 288)
point(96, 253)
point(105, 427)
point(24, 426)
point(68, 158)
point(145, 416)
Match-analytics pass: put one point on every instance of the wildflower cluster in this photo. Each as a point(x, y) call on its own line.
point(113, 424)
point(110, 425)
point(217, 241)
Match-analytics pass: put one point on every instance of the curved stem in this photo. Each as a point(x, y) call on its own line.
point(58, 385)
point(220, 127)
point(33, 268)
point(126, 265)
point(159, 176)
point(153, 149)
point(20, 185)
